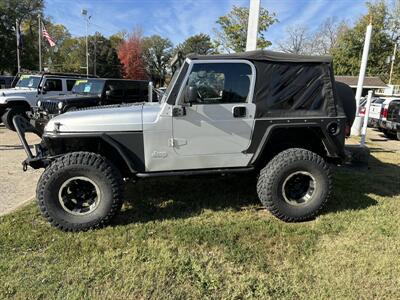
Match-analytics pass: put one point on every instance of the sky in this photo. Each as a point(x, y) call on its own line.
point(179, 19)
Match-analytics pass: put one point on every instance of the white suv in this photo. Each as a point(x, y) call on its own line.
point(29, 90)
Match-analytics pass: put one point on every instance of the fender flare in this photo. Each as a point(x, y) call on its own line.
point(332, 148)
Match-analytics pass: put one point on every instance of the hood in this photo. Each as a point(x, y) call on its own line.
point(15, 93)
point(99, 119)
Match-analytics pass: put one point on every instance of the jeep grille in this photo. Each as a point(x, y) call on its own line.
point(50, 106)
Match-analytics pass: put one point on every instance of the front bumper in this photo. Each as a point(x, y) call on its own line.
point(38, 159)
point(39, 118)
point(389, 125)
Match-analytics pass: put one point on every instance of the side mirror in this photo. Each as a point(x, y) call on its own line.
point(108, 93)
point(45, 89)
point(190, 94)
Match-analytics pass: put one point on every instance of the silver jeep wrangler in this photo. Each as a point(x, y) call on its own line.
point(275, 114)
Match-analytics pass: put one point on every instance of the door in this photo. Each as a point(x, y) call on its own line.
point(221, 119)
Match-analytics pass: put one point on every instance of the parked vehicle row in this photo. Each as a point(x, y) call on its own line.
point(31, 88)
point(92, 92)
point(40, 97)
point(380, 110)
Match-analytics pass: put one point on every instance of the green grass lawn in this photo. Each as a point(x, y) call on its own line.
point(210, 238)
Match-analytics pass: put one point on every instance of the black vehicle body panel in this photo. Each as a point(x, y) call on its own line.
point(70, 101)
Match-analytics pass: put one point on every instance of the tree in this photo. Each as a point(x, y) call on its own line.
point(297, 40)
point(25, 12)
point(130, 53)
point(233, 29)
point(157, 53)
point(103, 57)
point(347, 54)
point(326, 36)
point(196, 44)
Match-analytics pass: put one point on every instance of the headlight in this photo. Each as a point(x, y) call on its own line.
point(60, 105)
point(39, 103)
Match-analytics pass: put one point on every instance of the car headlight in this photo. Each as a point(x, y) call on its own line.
point(39, 103)
point(60, 105)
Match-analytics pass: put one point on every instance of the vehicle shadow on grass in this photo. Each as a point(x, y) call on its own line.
point(352, 185)
point(177, 197)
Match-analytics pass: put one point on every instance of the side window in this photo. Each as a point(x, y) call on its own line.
point(115, 90)
point(220, 82)
point(53, 85)
point(70, 84)
point(132, 90)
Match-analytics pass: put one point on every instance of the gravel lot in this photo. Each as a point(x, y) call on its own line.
point(18, 187)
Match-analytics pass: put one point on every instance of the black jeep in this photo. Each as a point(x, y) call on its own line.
point(92, 92)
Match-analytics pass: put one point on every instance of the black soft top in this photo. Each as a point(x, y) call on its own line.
point(267, 55)
point(289, 85)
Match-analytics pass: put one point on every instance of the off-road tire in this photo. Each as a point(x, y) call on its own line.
point(273, 175)
point(93, 166)
point(7, 117)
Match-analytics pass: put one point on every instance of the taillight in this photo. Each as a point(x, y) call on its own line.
point(362, 111)
point(384, 113)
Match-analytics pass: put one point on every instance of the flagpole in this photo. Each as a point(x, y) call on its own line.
point(18, 45)
point(40, 44)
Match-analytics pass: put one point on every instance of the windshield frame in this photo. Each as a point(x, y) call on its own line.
point(27, 78)
point(172, 83)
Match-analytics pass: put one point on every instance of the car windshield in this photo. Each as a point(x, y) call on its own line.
point(28, 81)
point(88, 86)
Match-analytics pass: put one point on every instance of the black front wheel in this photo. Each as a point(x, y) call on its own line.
point(80, 191)
point(295, 185)
point(7, 117)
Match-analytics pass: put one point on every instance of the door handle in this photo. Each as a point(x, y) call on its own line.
point(239, 111)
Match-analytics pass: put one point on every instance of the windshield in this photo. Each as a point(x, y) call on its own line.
point(28, 81)
point(88, 86)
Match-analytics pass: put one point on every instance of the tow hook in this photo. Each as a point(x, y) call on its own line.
point(24, 166)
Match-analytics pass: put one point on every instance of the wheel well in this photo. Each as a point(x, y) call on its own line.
point(284, 138)
point(19, 104)
point(89, 144)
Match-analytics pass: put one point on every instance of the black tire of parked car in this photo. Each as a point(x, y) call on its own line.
point(9, 114)
point(295, 185)
point(398, 135)
point(387, 133)
point(74, 179)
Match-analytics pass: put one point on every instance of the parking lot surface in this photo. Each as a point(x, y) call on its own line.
point(16, 186)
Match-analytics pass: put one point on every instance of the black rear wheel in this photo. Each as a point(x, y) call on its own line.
point(295, 185)
point(80, 191)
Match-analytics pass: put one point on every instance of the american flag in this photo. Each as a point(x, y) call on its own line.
point(47, 36)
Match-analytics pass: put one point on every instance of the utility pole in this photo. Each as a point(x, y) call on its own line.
point(356, 128)
point(18, 45)
point(94, 54)
point(252, 26)
point(393, 58)
point(40, 42)
point(84, 13)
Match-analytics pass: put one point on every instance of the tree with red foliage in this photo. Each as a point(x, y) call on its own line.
point(130, 55)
